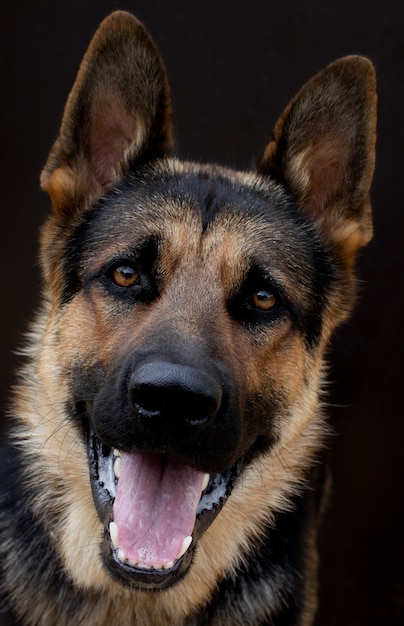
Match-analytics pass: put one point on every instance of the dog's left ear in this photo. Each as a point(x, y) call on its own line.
point(118, 111)
point(323, 151)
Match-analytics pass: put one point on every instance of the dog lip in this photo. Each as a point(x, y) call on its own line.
point(104, 485)
point(102, 479)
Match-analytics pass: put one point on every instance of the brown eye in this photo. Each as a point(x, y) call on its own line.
point(264, 300)
point(125, 276)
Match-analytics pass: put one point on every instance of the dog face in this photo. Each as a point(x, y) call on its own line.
point(188, 312)
point(178, 300)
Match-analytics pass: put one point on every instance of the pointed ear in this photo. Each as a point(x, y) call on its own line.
point(323, 151)
point(118, 111)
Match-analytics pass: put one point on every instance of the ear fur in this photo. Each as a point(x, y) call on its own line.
point(323, 151)
point(118, 111)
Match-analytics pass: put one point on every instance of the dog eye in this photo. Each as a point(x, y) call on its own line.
point(263, 300)
point(124, 276)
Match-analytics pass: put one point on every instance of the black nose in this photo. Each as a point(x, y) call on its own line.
point(166, 395)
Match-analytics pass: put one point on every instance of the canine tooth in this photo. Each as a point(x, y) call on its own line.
point(113, 531)
point(122, 556)
point(117, 467)
point(117, 452)
point(185, 545)
point(205, 481)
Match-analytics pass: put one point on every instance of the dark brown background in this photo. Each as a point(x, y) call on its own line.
point(233, 65)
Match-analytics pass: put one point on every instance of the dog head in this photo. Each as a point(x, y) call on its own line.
point(190, 308)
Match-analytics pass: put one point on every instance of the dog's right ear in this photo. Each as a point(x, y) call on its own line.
point(117, 112)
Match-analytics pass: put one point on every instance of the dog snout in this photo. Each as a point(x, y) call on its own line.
point(166, 395)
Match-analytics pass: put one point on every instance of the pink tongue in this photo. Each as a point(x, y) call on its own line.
point(155, 508)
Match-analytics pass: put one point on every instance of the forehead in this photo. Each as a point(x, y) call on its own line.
point(205, 211)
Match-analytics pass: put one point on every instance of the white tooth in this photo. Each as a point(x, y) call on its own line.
point(168, 565)
point(117, 452)
point(117, 467)
point(113, 531)
point(206, 480)
point(185, 545)
point(122, 556)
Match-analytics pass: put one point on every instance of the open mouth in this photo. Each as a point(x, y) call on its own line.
point(154, 509)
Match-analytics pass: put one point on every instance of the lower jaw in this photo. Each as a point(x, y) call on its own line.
point(142, 578)
point(155, 579)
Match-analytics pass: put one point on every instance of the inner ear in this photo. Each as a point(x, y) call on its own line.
point(319, 174)
point(115, 135)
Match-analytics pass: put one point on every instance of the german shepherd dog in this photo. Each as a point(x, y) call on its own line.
point(168, 420)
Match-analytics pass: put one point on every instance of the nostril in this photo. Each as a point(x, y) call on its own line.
point(197, 421)
point(146, 400)
point(198, 408)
